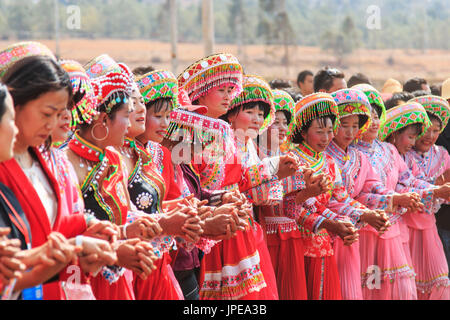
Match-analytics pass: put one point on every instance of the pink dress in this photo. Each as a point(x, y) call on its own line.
point(386, 263)
point(362, 183)
point(321, 267)
point(427, 252)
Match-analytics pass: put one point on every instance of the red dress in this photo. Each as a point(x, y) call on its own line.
point(105, 197)
point(238, 268)
point(12, 175)
point(147, 188)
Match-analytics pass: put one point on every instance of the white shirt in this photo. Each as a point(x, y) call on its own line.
point(44, 190)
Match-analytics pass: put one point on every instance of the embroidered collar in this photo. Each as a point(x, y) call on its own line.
point(129, 143)
point(309, 151)
point(86, 149)
point(338, 153)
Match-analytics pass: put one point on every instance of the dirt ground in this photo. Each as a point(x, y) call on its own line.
point(378, 65)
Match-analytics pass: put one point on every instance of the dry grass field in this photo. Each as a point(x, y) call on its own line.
point(434, 65)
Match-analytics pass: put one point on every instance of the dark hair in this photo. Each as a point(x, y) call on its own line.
point(297, 137)
point(280, 84)
point(297, 96)
point(324, 78)
point(420, 93)
point(263, 106)
point(140, 71)
point(3, 95)
point(159, 104)
point(436, 89)
point(432, 117)
point(416, 126)
point(358, 78)
point(396, 98)
point(377, 109)
point(414, 84)
point(287, 114)
point(302, 75)
point(33, 76)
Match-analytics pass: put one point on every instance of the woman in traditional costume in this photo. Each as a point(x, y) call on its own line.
point(361, 182)
point(431, 163)
point(232, 270)
point(316, 119)
point(283, 236)
point(393, 278)
point(41, 90)
point(103, 184)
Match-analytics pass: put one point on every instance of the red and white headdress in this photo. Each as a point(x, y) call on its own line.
point(211, 72)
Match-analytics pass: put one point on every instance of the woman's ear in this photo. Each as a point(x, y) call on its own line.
point(102, 118)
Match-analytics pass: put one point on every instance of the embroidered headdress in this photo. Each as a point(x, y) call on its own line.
point(437, 106)
point(313, 106)
point(19, 51)
point(111, 89)
point(354, 102)
point(283, 102)
point(256, 89)
point(84, 107)
point(402, 116)
point(193, 127)
point(211, 72)
point(374, 98)
point(157, 85)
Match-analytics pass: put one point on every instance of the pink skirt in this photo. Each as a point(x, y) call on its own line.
point(428, 258)
point(285, 245)
point(386, 272)
point(349, 267)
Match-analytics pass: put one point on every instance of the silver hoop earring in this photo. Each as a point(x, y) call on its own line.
point(92, 132)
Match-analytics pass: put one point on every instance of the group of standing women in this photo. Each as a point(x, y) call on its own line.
point(212, 185)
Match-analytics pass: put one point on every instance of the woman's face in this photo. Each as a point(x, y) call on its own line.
point(372, 133)
point(8, 131)
point(61, 131)
point(37, 119)
point(280, 124)
point(156, 124)
point(247, 123)
point(137, 116)
point(218, 100)
point(319, 137)
point(347, 131)
point(429, 138)
point(405, 140)
point(119, 125)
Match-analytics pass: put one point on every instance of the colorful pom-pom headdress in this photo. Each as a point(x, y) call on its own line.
point(211, 72)
point(18, 51)
point(354, 102)
point(84, 107)
point(256, 89)
point(111, 89)
point(313, 106)
point(402, 116)
point(158, 85)
point(374, 98)
point(109, 79)
point(437, 106)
